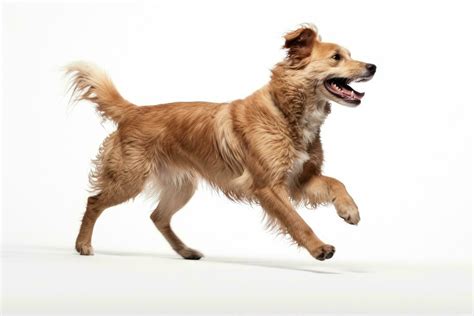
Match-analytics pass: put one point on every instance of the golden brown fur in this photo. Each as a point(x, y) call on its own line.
point(265, 148)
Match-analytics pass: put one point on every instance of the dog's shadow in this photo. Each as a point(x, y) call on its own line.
point(330, 267)
point(314, 267)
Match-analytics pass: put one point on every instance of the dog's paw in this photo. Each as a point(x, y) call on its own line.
point(190, 254)
point(85, 249)
point(348, 211)
point(324, 252)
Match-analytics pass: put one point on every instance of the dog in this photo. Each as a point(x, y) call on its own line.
point(263, 149)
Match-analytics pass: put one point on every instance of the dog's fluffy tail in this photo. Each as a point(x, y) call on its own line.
point(88, 82)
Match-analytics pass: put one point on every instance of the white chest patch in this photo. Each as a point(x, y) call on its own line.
point(311, 122)
point(297, 167)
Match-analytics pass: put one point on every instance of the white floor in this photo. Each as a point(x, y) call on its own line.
point(46, 280)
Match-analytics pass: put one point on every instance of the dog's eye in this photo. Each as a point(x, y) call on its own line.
point(336, 56)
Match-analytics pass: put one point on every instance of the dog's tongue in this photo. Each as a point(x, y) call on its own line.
point(352, 94)
point(345, 91)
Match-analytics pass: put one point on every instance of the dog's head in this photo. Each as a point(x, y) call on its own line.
point(327, 66)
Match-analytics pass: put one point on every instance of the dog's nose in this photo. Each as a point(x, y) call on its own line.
point(371, 68)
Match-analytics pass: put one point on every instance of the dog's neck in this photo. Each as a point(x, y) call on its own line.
point(302, 107)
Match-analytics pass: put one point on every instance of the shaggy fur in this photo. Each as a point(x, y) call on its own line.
point(265, 148)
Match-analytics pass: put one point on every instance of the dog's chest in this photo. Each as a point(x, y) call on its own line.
point(297, 167)
point(310, 124)
point(310, 127)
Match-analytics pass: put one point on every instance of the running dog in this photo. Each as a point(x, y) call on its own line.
point(263, 149)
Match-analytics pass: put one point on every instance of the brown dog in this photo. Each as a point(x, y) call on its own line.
point(265, 148)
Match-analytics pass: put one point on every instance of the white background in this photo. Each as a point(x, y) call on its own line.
point(405, 154)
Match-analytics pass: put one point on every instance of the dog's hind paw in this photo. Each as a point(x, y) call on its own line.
point(85, 250)
point(190, 254)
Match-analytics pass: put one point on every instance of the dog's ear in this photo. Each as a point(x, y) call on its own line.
point(300, 43)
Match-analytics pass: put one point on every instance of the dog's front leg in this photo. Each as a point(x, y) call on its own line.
point(276, 202)
point(322, 189)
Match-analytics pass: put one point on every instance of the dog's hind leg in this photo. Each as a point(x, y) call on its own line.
point(95, 206)
point(118, 177)
point(173, 197)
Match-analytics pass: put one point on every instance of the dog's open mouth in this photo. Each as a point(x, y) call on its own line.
point(340, 88)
